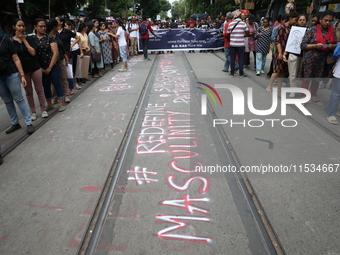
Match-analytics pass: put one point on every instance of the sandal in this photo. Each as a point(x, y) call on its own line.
point(268, 90)
point(95, 76)
point(332, 120)
point(317, 102)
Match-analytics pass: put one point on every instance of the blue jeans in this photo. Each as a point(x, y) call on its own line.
point(54, 77)
point(10, 91)
point(334, 99)
point(240, 52)
point(260, 61)
point(122, 50)
point(227, 59)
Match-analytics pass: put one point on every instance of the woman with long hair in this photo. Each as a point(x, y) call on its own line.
point(318, 41)
point(52, 29)
point(85, 48)
point(281, 67)
point(48, 56)
point(26, 49)
point(294, 60)
point(95, 48)
point(104, 40)
point(262, 45)
point(65, 36)
point(76, 51)
point(122, 44)
point(11, 77)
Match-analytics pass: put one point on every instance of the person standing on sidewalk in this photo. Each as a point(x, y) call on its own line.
point(262, 45)
point(295, 60)
point(10, 85)
point(47, 52)
point(144, 29)
point(229, 18)
point(237, 30)
point(133, 30)
point(334, 99)
point(25, 47)
point(281, 67)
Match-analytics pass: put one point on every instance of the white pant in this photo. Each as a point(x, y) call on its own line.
point(294, 65)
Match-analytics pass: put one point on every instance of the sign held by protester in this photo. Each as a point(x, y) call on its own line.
point(294, 40)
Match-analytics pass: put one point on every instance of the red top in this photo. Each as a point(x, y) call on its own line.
point(191, 24)
point(148, 28)
point(226, 39)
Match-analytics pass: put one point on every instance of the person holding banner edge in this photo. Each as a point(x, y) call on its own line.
point(144, 29)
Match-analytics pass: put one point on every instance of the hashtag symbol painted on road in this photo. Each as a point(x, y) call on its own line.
point(141, 175)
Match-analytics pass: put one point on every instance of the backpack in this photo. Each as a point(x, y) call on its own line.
point(143, 29)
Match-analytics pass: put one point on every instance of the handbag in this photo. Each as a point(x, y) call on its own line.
point(96, 57)
point(69, 71)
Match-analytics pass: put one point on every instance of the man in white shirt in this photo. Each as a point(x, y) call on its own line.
point(133, 30)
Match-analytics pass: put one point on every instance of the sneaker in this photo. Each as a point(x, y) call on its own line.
point(231, 75)
point(243, 76)
point(258, 73)
point(13, 128)
point(246, 67)
point(33, 116)
point(1, 160)
point(262, 72)
point(77, 87)
point(147, 59)
point(44, 114)
point(224, 71)
point(49, 108)
point(30, 129)
point(67, 100)
point(292, 95)
point(62, 108)
point(122, 70)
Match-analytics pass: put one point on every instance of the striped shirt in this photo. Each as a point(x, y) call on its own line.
point(237, 36)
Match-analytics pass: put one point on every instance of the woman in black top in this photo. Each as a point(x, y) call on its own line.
point(65, 36)
point(52, 29)
point(10, 85)
point(47, 52)
point(25, 47)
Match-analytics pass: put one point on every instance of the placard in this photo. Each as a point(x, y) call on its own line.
point(294, 40)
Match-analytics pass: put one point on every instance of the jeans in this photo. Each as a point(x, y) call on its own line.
point(10, 91)
point(145, 42)
point(334, 99)
point(53, 76)
point(227, 59)
point(260, 61)
point(240, 52)
point(122, 50)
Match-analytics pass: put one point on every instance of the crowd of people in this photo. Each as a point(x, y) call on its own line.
point(58, 57)
point(315, 60)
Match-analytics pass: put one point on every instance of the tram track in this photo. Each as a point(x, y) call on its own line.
point(96, 224)
point(264, 227)
point(310, 118)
